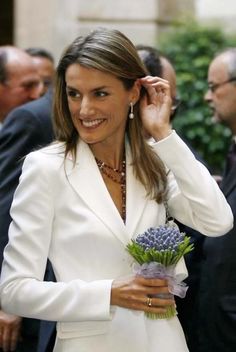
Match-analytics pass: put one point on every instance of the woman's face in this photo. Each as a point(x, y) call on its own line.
point(99, 104)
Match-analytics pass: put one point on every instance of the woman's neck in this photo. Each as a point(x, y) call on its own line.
point(111, 155)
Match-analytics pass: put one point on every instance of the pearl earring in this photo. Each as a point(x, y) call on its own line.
point(131, 114)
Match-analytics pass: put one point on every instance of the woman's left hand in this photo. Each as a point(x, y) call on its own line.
point(155, 107)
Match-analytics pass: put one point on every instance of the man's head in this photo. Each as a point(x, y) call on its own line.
point(221, 93)
point(19, 79)
point(158, 65)
point(44, 62)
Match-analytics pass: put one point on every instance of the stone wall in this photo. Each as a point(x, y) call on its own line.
point(53, 24)
point(220, 13)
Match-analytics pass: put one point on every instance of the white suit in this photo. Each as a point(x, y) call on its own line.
point(63, 211)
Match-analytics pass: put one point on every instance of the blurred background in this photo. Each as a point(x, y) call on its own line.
point(189, 32)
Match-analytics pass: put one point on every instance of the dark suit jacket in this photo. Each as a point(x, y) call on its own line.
point(186, 307)
point(26, 128)
point(217, 296)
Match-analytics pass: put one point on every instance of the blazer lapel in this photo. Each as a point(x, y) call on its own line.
point(136, 197)
point(86, 180)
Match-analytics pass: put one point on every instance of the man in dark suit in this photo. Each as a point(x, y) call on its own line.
point(26, 128)
point(217, 296)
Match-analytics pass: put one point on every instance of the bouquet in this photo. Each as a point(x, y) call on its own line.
point(157, 251)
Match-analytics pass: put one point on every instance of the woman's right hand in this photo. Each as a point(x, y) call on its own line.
point(139, 293)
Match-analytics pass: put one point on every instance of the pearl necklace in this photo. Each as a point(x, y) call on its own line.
point(117, 176)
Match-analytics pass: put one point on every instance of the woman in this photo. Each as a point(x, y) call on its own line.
point(82, 199)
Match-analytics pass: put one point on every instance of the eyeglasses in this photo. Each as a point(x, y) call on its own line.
point(214, 86)
point(175, 103)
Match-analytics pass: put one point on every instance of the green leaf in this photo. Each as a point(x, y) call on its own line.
point(191, 47)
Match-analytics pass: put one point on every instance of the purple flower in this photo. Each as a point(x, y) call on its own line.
point(160, 238)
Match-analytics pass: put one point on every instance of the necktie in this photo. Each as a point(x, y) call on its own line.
point(231, 157)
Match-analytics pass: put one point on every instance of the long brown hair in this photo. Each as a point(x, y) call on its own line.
point(110, 51)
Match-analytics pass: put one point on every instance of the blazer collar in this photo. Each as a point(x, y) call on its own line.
point(87, 181)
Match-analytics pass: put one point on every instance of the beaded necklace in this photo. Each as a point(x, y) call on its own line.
point(117, 176)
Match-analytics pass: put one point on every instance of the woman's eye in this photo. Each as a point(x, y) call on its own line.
point(101, 94)
point(73, 94)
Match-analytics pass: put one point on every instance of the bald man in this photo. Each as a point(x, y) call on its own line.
point(19, 79)
point(217, 297)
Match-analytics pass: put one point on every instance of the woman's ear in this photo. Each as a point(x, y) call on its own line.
point(135, 95)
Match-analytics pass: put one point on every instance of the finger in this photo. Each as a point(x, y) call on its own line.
point(6, 339)
point(159, 290)
point(151, 305)
point(151, 93)
point(14, 339)
point(155, 81)
point(152, 79)
point(160, 302)
point(0, 339)
point(151, 282)
point(158, 93)
point(162, 90)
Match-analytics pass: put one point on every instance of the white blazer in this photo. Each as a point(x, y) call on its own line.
point(63, 211)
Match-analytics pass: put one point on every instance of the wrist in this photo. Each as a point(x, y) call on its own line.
point(164, 133)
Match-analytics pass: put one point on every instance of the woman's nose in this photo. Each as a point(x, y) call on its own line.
point(86, 107)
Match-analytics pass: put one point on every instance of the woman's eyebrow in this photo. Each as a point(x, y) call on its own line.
point(69, 87)
point(100, 88)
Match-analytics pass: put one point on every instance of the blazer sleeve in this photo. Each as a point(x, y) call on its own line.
point(30, 232)
point(194, 198)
